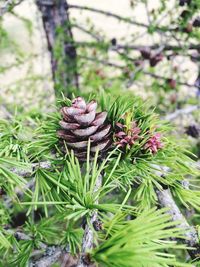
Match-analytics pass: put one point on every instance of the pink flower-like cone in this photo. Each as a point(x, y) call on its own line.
point(154, 143)
point(126, 137)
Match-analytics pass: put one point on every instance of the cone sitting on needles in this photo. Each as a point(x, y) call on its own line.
point(81, 123)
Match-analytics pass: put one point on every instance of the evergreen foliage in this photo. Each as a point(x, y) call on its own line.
point(105, 210)
point(59, 198)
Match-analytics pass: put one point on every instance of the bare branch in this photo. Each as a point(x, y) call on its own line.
point(6, 113)
point(89, 32)
point(109, 14)
point(7, 5)
point(103, 62)
point(127, 20)
point(180, 112)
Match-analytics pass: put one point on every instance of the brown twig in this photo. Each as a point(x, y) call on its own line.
point(88, 237)
point(166, 200)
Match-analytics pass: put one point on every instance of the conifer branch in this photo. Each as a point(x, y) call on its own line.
point(28, 172)
point(166, 200)
point(166, 79)
point(118, 46)
point(123, 67)
point(88, 237)
point(52, 255)
point(166, 47)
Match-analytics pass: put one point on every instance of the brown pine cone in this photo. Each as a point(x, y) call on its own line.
point(196, 22)
point(82, 123)
point(155, 59)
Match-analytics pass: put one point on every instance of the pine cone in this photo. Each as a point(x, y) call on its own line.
point(82, 123)
point(155, 59)
point(145, 53)
point(196, 22)
point(193, 130)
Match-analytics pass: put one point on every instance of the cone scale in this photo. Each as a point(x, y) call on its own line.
point(80, 124)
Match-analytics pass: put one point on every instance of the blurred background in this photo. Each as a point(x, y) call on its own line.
point(140, 47)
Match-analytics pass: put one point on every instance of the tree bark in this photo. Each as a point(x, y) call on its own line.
point(59, 36)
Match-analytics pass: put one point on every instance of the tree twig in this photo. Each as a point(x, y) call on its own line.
point(88, 237)
point(118, 46)
point(167, 47)
point(28, 172)
point(51, 254)
point(166, 200)
point(6, 5)
point(123, 67)
point(180, 112)
point(165, 79)
point(109, 14)
point(89, 32)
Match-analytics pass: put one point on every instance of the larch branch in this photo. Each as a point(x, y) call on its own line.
point(88, 237)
